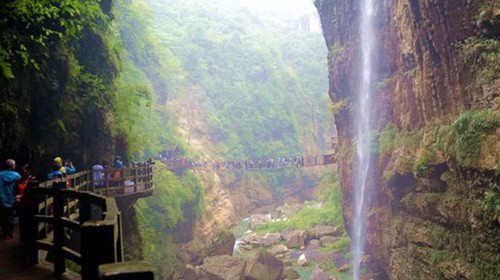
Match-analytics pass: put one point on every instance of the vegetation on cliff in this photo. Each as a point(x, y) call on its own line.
point(70, 86)
point(257, 85)
point(176, 201)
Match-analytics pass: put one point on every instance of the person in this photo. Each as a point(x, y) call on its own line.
point(117, 173)
point(23, 189)
point(119, 167)
point(69, 167)
point(26, 177)
point(55, 173)
point(8, 180)
point(59, 163)
point(98, 174)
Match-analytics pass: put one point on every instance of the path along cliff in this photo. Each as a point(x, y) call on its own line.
point(435, 175)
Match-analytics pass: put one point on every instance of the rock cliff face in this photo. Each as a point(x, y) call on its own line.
point(436, 164)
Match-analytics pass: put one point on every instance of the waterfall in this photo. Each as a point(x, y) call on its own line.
point(362, 130)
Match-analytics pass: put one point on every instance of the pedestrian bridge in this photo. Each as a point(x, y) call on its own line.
point(77, 220)
point(262, 164)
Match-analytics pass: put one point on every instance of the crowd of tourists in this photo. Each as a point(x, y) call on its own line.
point(251, 164)
point(14, 185)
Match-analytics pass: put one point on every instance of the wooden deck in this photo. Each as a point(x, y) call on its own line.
point(13, 265)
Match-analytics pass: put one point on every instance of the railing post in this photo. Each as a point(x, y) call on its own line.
point(59, 263)
point(85, 209)
point(32, 226)
point(119, 243)
point(106, 182)
point(98, 247)
point(123, 175)
point(92, 180)
point(136, 182)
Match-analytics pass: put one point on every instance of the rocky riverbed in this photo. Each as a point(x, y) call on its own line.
point(317, 252)
point(276, 246)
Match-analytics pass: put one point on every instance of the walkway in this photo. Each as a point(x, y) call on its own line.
point(75, 204)
point(12, 260)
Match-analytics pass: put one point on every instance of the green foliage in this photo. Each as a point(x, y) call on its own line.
point(469, 129)
point(158, 215)
point(336, 52)
point(405, 199)
point(58, 92)
point(31, 28)
point(340, 245)
point(489, 201)
point(421, 167)
point(483, 53)
point(328, 191)
point(257, 86)
point(387, 139)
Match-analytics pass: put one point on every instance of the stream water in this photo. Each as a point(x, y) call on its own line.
point(363, 129)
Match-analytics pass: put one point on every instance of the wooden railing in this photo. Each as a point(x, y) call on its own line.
point(77, 218)
point(110, 181)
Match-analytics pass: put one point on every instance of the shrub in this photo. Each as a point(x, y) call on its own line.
point(421, 167)
point(468, 129)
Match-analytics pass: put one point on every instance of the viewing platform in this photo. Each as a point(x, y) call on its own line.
point(77, 221)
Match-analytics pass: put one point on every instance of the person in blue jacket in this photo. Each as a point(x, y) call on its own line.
point(8, 180)
point(55, 173)
point(70, 168)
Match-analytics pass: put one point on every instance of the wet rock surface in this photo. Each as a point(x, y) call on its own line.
point(262, 265)
point(425, 80)
point(221, 244)
point(318, 274)
point(223, 268)
point(295, 238)
point(259, 219)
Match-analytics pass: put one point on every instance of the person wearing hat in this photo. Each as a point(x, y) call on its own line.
point(59, 162)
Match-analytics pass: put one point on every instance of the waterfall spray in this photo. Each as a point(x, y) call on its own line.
point(362, 125)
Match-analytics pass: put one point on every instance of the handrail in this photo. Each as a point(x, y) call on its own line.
point(244, 164)
point(80, 204)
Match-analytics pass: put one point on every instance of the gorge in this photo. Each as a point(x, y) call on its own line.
point(405, 94)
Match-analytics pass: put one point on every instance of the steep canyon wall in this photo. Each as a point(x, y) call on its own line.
point(435, 176)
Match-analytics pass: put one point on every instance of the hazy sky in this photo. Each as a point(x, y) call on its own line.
point(279, 6)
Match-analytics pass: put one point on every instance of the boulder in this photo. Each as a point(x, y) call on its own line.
point(262, 265)
point(296, 238)
point(253, 240)
point(191, 273)
point(259, 219)
point(323, 230)
point(221, 244)
point(327, 240)
point(270, 239)
point(314, 244)
point(302, 261)
point(286, 210)
point(318, 274)
point(250, 240)
point(343, 268)
point(287, 231)
point(223, 268)
point(280, 251)
point(290, 274)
